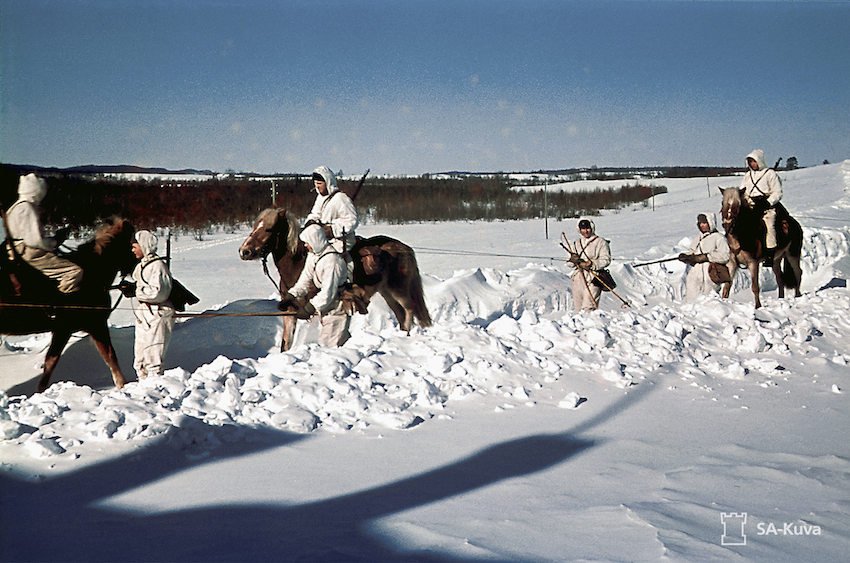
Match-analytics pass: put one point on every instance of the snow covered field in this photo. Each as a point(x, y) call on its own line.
point(511, 430)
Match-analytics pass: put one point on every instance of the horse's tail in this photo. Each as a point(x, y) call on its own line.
point(789, 278)
point(796, 248)
point(417, 294)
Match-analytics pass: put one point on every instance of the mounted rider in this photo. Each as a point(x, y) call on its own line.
point(334, 211)
point(23, 223)
point(762, 191)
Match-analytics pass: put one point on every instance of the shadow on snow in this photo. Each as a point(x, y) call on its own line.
point(58, 519)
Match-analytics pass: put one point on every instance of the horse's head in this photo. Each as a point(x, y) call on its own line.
point(732, 201)
point(108, 252)
point(275, 230)
point(113, 242)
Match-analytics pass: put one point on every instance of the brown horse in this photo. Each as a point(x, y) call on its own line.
point(35, 304)
point(745, 233)
point(398, 281)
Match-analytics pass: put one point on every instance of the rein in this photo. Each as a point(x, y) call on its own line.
point(264, 254)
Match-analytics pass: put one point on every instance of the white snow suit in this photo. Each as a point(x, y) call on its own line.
point(323, 277)
point(715, 247)
point(337, 210)
point(153, 311)
point(597, 250)
point(763, 182)
point(24, 225)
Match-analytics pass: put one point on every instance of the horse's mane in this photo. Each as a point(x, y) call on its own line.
point(106, 234)
point(748, 227)
point(292, 232)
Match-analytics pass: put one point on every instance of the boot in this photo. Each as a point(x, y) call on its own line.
point(768, 257)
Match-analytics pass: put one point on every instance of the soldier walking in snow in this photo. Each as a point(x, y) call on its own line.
point(709, 250)
point(763, 190)
point(153, 311)
point(590, 253)
point(318, 288)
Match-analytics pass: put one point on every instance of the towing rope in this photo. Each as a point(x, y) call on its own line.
point(176, 314)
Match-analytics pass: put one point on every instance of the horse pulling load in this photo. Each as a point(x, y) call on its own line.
point(382, 265)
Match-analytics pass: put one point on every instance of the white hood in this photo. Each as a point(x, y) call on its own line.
point(315, 237)
point(329, 177)
point(712, 220)
point(32, 188)
point(147, 241)
point(758, 156)
point(592, 225)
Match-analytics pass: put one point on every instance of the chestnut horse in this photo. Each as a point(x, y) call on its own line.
point(745, 233)
point(34, 304)
point(398, 281)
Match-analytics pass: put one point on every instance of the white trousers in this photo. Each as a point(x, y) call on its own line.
point(698, 282)
point(67, 274)
point(154, 325)
point(333, 329)
point(585, 295)
point(770, 223)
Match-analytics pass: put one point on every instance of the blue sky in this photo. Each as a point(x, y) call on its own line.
point(413, 86)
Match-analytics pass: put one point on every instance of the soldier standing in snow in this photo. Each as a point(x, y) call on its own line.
point(590, 253)
point(763, 190)
point(318, 288)
point(707, 249)
point(24, 225)
point(153, 311)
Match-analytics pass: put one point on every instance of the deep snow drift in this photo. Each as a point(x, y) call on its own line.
point(513, 429)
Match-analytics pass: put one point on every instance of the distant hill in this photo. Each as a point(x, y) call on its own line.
point(103, 169)
point(564, 174)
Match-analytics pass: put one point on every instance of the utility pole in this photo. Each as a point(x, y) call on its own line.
point(168, 248)
point(546, 206)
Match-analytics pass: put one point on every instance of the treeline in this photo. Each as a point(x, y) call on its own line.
point(484, 198)
point(81, 201)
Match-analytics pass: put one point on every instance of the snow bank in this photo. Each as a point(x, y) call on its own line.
point(481, 345)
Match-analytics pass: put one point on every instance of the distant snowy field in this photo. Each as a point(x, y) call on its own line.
point(511, 430)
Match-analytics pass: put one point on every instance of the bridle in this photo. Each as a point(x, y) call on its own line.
point(729, 213)
point(270, 243)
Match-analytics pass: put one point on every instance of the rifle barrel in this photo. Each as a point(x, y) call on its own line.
point(655, 262)
point(360, 185)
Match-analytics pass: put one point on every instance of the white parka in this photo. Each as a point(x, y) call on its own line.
point(714, 246)
point(23, 216)
point(153, 312)
point(337, 210)
point(324, 273)
point(762, 182)
point(153, 280)
point(593, 248)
